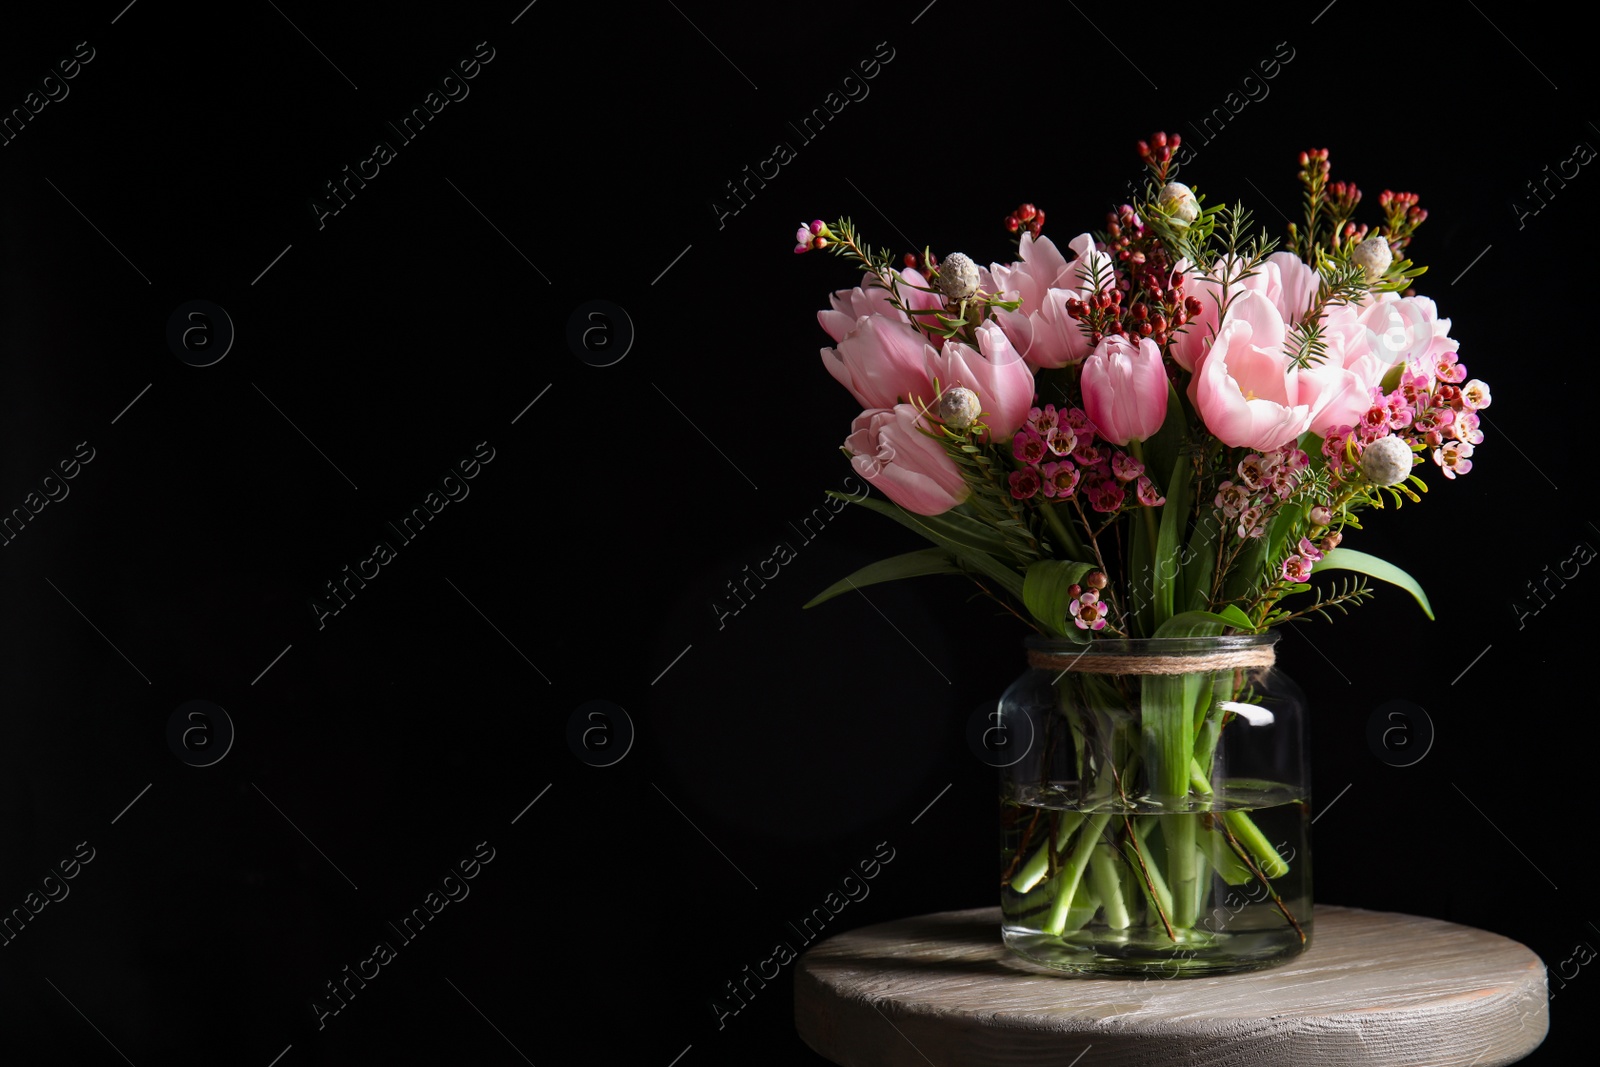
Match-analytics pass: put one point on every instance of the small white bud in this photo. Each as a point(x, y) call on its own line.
point(1373, 255)
point(959, 408)
point(958, 276)
point(1386, 461)
point(1178, 199)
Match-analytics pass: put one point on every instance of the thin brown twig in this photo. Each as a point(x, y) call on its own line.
point(1260, 877)
point(1133, 840)
point(1022, 847)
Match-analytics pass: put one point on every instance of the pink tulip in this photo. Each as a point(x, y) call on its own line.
point(1041, 330)
point(1408, 331)
point(994, 370)
point(1338, 386)
point(850, 304)
point(890, 450)
point(1283, 278)
point(1247, 390)
point(882, 361)
point(1125, 389)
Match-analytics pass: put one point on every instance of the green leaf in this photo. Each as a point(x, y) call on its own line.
point(1163, 446)
point(909, 565)
point(953, 525)
point(1202, 561)
point(1237, 618)
point(1348, 559)
point(963, 537)
point(1141, 574)
point(1284, 525)
point(1245, 576)
point(1204, 623)
point(1045, 593)
point(1173, 515)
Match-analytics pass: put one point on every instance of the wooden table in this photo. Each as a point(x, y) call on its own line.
point(1373, 988)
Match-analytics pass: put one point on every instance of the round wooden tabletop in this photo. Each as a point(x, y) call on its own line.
point(1373, 988)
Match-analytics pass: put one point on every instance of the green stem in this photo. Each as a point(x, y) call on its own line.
point(1183, 867)
point(1069, 542)
point(1255, 842)
point(1154, 886)
point(1070, 875)
point(1244, 829)
point(1228, 866)
point(1034, 870)
point(1137, 448)
point(1106, 881)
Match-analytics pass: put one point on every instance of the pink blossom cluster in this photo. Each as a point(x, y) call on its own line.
point(1252, 376)
point(1059, 456)
point(1434, 407)
point(1266, 480)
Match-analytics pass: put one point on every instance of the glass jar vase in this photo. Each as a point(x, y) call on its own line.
point(1158, 823)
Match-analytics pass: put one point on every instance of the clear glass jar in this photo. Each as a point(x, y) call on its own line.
point(1158, 823)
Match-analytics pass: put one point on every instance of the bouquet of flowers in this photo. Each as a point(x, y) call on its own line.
point(1162, 431)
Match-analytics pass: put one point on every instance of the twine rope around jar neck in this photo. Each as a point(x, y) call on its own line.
point(1088, 662)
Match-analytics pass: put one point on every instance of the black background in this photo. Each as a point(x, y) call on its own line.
point(774, 749)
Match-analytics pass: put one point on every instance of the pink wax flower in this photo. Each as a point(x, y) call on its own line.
point(1125, 467)
point(1250, 522)
point(1297, 569)
point(1446, 368)
point(1106, 495)
point(1146, 493)
point(1078, 420)
point(1042, 420)
point(1087, 611)
point(1475, 395)
point(1283, 470)
point(890, 450)
point(1452, 457)
point(1060, 478)
point(813, 235)
point(882, 361)
point(1253, 471)
point(1028, 446)
point(1024, 483)
point(1232, 499)
point(1125, 389)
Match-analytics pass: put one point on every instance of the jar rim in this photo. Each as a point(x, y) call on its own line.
point(1152, 646)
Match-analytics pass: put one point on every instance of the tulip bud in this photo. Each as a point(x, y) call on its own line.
point(958, 276)
point(1386, 461)
point(959, 408)
point(1373, 255)
point(1178, 200)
